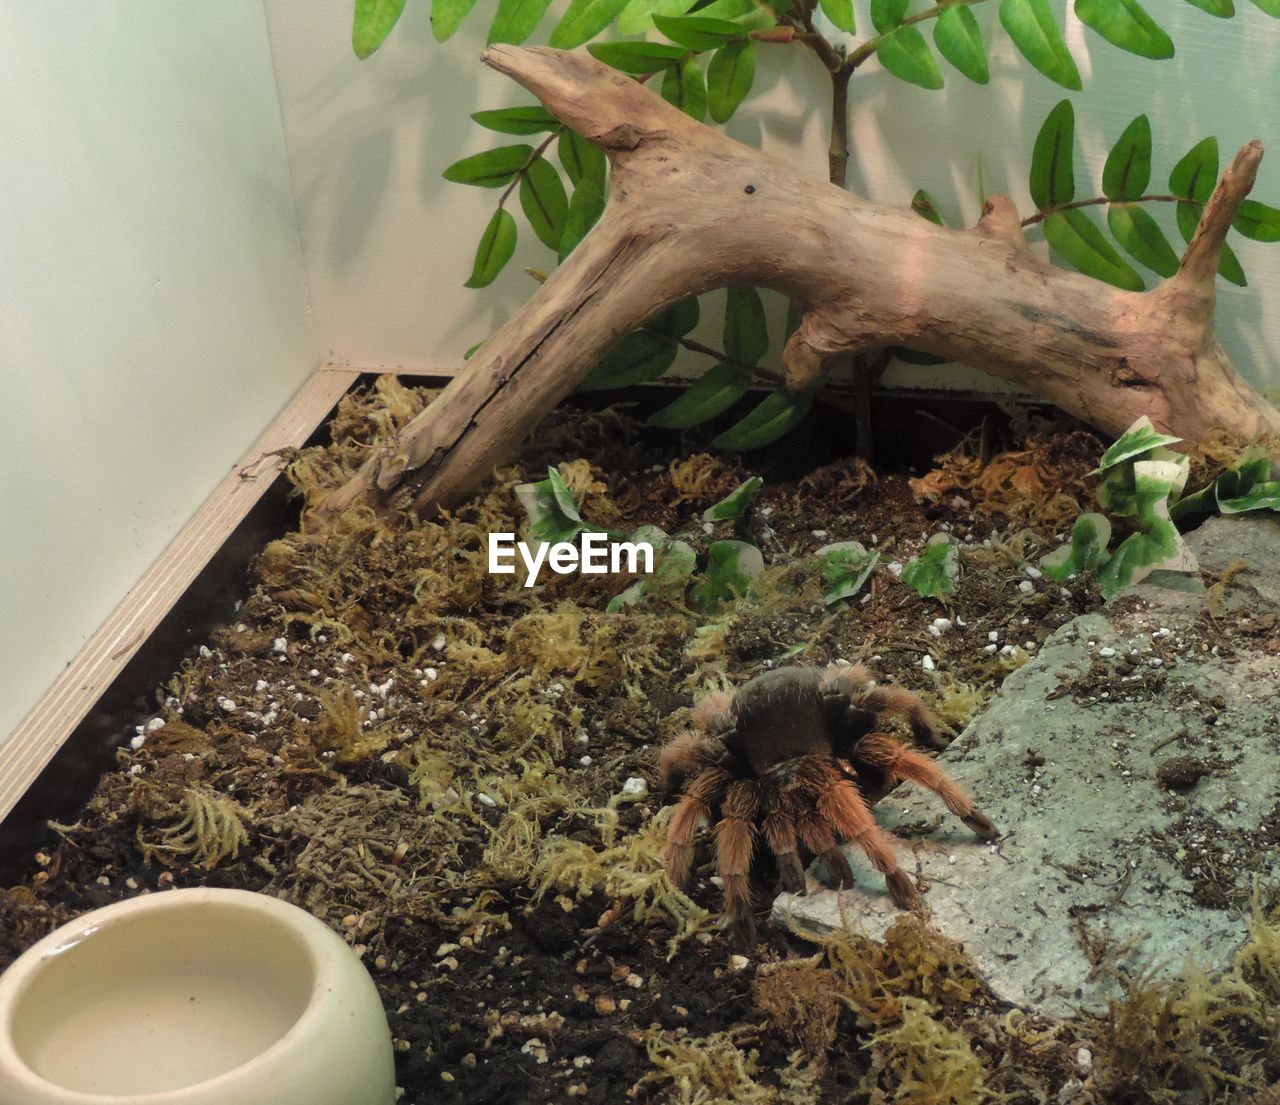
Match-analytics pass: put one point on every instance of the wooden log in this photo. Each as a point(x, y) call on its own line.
point(691, 210)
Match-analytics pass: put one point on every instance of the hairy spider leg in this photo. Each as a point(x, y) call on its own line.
point(704, 792)
point(845, 679)
point(780, 834)
point(840, 805)
point(686, 754)
point(898, 702)
point(713, 712)
point(734, 836)
point(906, 763)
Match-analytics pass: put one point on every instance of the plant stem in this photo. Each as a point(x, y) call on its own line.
point(537, 153)
point(838, 149)
point(1097, 201)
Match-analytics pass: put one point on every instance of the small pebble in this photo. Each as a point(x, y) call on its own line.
point(926, 662)
point(1026, 587)
point(738, 962)
point(1106, 652)
point(635, 785)
point(280, 644)
point(485, 800)
point(1084, 1059)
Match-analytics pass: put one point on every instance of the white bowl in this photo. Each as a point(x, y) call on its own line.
point(193, 997)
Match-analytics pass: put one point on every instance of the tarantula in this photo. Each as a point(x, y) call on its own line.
point(795, 757)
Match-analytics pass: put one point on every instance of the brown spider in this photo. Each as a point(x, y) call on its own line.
point(795, 757)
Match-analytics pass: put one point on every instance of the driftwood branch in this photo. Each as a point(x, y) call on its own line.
point(691, 210)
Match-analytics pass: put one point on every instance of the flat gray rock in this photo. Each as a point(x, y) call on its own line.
point(1134, 769)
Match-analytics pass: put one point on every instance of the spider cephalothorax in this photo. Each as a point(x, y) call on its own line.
point(793, 760)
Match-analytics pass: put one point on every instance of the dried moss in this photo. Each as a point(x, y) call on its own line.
point(212, 828)
point(628, 871)
point(706, 1070)
point(926, 1063)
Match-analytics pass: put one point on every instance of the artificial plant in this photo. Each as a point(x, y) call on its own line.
point(704, 212)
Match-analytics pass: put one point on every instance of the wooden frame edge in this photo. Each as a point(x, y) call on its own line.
point(102, 657)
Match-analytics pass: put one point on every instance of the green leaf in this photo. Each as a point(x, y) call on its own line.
point(887, 14)
point(447, 17)
point(1084, 552)
point(922, 204)
point(532, 119)
point(1262, 496)
point(959, 40)
point(716, 391)
point(1229, 268)
point(491, 169)
point(1223, 9)
point(1077, 238)
point(735, 505)
point(583, 20)
point(372, 23)
point(933, 573)
point(1195, 174)
point(846, 566)
point(553, 515)
point(697, 32)
point(637, 16)
point(1252, 468)
point(1127, 172)
point(731, 566)
point(582, 160)
point(750, 15)
point(674, 563)
point(585, 209)
point(916, 356)
point(746, 336)
point(1141, 237)
point(1031, 25)
point(678, 319)
point(1157, 544)
point(906, 54)
point(1140, 438)
point(1270, 7)
point(516, 20)
point(840, 13)
point(637, 359)
point(1052, 176)
point(1258, 221)
point(773, 417)
point(497, 244)
point(544, 202)
point(636, 57)
point(1126, 24)
point(729, 75)
point(683, 87)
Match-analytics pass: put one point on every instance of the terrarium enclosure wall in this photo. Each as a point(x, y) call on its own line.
point(155, 309)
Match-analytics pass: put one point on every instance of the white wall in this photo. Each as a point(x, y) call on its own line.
point(388, 244)
point(153, 303)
